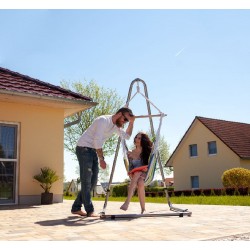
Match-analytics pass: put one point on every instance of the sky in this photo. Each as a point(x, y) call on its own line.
point(195, 62)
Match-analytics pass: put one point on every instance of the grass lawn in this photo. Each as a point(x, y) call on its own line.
point(235, 200)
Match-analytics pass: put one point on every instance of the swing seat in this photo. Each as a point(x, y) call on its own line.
point(142, 168)
point(149, 169)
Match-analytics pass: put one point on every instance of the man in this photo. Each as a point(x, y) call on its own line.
point(89, 150)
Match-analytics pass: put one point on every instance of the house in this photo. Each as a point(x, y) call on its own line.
point(99, 190)
point(169, 181)
point(73, 187)
point(208, 148)
point(32, 115)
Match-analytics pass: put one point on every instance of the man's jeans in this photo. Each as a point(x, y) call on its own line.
point(89, 169)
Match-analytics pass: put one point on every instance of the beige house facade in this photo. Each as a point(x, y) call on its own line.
point(32, 116)
point(208, 148)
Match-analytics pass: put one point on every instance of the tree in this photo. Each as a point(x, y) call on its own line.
point(164, 155)
point(163, 149)
point(108, 103)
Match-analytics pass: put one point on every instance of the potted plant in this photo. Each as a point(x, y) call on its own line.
point(46, 178)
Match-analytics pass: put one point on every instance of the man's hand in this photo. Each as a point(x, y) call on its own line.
point(103, 164)
point(130, 118)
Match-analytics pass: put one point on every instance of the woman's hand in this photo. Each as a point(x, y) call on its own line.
point(129, 154)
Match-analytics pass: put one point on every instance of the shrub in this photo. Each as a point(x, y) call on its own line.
point(236, 192)
point(212, 192)
point(223, 192)
point(172, 194)
point(192, 193)
point(202, 193)
point(236, 178)
point(46, 178)
point(120, 190)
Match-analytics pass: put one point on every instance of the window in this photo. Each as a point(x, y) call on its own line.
point(8, 162)
point(7, 141)
point(212, 148)
point(195, 182)
point(193, 150)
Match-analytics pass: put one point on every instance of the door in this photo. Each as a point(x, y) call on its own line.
point(8, 163)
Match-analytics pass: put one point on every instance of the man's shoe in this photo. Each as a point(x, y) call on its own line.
point(80, 212)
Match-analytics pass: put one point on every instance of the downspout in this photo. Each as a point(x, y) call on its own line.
point(79, 114)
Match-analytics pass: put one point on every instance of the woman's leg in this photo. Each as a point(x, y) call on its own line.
point(141, 194)
point(131, 190)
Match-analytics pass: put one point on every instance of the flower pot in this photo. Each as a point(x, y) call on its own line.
point(46, 198)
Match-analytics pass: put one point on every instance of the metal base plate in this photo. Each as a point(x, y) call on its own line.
point(127, 216)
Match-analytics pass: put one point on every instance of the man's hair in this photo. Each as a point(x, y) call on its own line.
point(125, 110)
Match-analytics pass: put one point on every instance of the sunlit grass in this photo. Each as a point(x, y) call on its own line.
point(234, 200)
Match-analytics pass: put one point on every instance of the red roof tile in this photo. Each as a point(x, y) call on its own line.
point(235, 135)
point(14, 82)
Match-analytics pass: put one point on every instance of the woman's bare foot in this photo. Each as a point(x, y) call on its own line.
point(143, 210)
point(124, 207)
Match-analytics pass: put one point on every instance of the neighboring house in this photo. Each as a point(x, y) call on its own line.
point(169, 181)
point(105, 184)
point(99, 190)
point(73, 187)
point(65, 186)
point(32, 116)
point(208, 148)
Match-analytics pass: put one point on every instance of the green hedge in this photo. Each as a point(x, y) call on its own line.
point(121, 190)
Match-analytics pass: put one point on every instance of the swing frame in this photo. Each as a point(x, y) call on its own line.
point(174, 210)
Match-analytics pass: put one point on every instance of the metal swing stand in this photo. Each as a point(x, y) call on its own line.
point(174, 210)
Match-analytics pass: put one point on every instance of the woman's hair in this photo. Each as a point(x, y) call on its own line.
point(146, 145)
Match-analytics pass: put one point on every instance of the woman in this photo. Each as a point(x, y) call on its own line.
point(138, 161)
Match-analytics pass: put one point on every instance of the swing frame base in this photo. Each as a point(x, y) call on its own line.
point(127, 216)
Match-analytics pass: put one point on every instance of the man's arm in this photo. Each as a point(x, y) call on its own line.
point(101, 158)
point(100, 153)
point(130, 127)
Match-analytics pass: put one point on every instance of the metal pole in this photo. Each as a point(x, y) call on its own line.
point(153, 134)
point(145, 116)
point(111, 177)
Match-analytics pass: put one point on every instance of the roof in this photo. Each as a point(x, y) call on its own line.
point(235, 135)
point(13, 82)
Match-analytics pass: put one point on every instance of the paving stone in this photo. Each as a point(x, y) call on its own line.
point(56, 223)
